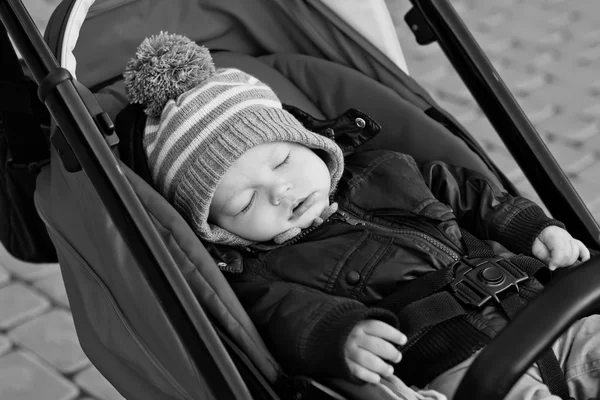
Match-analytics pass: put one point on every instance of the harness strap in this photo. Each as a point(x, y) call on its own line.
point(552, 374)
point(439, 297)
point(434, 309)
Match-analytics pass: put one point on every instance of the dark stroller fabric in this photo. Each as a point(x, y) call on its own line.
point(23, 152)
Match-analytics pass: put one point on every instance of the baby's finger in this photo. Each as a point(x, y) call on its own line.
point(559, 254)
point(584, 252)
point(574, 253)
point(381, 348)
point(362, 373)
point(370, 361)
point(540, 250)
point(385, 331)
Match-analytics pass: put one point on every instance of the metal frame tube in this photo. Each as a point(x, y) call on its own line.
point(509, 120)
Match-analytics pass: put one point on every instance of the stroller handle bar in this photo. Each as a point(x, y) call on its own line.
point(508, 119)
point(85, 136)
point(534, 330)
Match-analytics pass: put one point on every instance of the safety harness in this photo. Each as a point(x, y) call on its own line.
point(435, 311)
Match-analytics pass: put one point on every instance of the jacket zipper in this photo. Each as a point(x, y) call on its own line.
point(303, 234)
point(352, 220)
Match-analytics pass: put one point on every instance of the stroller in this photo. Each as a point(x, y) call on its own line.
point(152, 310)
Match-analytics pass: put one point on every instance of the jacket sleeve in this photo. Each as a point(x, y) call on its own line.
point(304, 328)
point(484, 209)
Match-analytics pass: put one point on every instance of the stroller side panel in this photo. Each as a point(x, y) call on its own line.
point(114, 304)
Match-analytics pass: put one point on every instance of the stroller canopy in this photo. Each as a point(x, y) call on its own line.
point(232, 25)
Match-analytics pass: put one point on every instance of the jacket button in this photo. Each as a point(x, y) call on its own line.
point(329, 133)
point(360, 122)
point(352, 277)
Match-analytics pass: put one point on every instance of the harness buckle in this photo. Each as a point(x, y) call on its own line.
point(478, 280)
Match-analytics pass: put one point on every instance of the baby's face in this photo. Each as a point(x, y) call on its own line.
point(272, 188)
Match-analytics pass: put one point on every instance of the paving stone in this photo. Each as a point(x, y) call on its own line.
point(589, 35)
point(494, 19)
point(566, 97)
point(492, 44)
point(594, 88)
point(483, 131)
point(542, 58)
point(52, 337)
point(92, 381)
point(523, 56)
point(571, 159)
point(592, 112)
point(423, 73)
point(588, 189)
point(507, 165)
point(5, 345)
point(24, 377)
point(19, 303)
point(521, 82)
point(26, 271)
point(538, 36)
point(592, 173)
point(538, 111)
point(563, 19)
point(589, 56)
point(568, 128)
point(464, 114)
point(454, 90)
point(593, 144)
point(54, 287)
point(569, 70)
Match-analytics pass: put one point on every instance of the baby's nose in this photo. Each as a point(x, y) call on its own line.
point(279, 192)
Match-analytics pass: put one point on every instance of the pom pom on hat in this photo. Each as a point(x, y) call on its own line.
point(166, 66)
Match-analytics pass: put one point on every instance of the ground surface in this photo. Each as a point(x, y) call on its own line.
point(548, 51)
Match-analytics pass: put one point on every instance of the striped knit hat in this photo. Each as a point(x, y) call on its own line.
point(201, 120)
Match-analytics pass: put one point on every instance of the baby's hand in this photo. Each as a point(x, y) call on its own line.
point(369, 344)
point(558, 248)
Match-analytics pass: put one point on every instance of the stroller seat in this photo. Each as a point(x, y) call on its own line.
point(108, 302)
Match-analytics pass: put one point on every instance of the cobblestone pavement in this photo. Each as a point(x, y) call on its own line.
point(548, 52)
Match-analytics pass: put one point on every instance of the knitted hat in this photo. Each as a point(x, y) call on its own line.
point(201, 120)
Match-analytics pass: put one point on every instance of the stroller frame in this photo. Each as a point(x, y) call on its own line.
point(84, 142)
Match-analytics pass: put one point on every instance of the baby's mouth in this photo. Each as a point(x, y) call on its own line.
point(303, 206)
